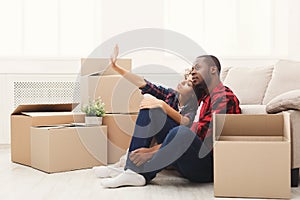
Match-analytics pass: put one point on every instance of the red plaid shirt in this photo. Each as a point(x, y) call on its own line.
point(220, 101)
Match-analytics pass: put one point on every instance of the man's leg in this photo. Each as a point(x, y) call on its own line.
point(180, 148)
point(196, 167)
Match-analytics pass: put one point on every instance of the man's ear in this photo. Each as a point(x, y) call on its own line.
point(213, 69)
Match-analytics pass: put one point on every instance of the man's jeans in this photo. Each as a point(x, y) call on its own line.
point(180, 148)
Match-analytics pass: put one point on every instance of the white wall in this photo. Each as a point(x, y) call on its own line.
point(72, 28)
point(227, 28)
point(47, 38)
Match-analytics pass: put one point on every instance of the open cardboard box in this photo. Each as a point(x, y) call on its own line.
point(252, 155)
point(25, 116)
point(63, 148)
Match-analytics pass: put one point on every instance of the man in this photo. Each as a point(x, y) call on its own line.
point(188, 150)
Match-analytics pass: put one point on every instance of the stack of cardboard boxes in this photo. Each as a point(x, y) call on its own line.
point(121, 98)
point(44, 136)
point(52, 138)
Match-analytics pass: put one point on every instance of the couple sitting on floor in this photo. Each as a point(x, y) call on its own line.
point(182, 141)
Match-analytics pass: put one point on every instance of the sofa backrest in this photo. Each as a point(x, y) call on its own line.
point(224, 72)
point(249, 83)
point(285, 77)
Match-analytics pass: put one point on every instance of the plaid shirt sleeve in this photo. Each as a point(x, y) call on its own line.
point(157, 91)
point(189, 111)
point(221, 101)
point(191, 116)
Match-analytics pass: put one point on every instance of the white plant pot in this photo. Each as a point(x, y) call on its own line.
point(91, 120)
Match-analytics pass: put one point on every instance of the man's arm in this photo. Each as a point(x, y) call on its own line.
point(142, 155)
point(222, 103)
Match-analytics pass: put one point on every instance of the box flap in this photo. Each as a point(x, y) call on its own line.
point(45, 108)
point(48, 114)
point(248, 125)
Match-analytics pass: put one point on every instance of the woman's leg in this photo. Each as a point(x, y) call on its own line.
point(150, 123)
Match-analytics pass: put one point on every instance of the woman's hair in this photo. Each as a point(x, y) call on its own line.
point(187, 72)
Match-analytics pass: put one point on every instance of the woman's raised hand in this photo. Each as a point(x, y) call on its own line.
point(114, 55)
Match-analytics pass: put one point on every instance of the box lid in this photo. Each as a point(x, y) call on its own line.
point(101, 66)
point(67, 107)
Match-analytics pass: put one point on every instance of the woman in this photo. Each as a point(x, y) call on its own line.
point(158, 115)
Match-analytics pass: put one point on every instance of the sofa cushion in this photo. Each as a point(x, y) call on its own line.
point(253, 109)
point(285, 78)
point(286, 101)
point(249, 83)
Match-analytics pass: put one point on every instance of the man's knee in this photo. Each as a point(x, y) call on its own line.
point(180, 132)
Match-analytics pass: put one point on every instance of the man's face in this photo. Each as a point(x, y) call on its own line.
point(200, 73)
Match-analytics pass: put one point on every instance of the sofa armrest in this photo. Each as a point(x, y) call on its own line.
point(295, 137)
point(284, 102)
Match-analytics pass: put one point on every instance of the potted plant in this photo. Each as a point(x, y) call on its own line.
point(94, 111)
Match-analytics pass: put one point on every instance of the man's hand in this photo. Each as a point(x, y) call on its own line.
point(148, 103)
point(140, 156)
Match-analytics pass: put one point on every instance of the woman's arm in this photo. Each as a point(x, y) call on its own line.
point(175, 115)
point(133, 78)
point(171, 112)
point(146, 87)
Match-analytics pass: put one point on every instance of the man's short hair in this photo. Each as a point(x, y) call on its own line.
point(211, 60)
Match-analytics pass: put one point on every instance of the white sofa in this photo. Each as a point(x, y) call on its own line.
point(270, 89)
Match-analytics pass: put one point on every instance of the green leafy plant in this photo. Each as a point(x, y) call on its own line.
point(94, 108)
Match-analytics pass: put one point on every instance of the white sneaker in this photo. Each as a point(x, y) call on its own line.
point(107, 171)
point(127, 178)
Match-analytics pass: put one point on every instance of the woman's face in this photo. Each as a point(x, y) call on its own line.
point(185, 87)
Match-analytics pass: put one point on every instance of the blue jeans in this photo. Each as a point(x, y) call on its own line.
point(151, 123)
point(180, 148)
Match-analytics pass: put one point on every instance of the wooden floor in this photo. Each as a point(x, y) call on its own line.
point(21, 182)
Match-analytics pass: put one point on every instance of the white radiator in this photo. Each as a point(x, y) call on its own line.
point(16, 89)
point(36, 92)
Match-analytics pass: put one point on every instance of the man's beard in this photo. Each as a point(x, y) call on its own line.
point(200, 90)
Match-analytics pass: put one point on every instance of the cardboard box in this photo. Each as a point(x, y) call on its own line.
point(58, 149)
point(25, 116)
point(118, 94)
point(120, 129)
point(91, 66)
point(252, 156)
